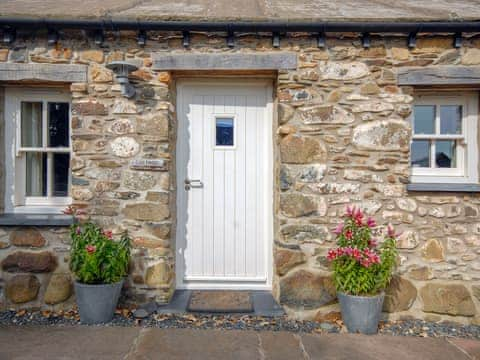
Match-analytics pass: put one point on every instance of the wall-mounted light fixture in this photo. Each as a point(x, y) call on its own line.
point(366, 41)
point(321, 41)
point(231, 39)
point(276, 40)
point(142, 38)
point(412, 40)
point(9, 35)
point(99, 37)
point(457, 42)
point(52, 37)
point(186, 39)
point(121, 70)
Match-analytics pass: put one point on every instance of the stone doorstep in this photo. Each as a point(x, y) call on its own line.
point(220, 301)
point(263, 304)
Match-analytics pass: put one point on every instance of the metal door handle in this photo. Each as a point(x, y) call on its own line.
point(189, 183)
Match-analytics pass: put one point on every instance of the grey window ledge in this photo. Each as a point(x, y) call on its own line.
point(444, 187)
point(36, 220)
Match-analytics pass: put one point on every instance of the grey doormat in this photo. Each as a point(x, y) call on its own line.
point(220, 301)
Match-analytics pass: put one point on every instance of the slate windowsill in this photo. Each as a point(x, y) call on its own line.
point(36, 220)
point(444, 187)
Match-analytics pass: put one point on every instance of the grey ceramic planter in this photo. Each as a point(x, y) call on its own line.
point(361, 314)
point(97, 303)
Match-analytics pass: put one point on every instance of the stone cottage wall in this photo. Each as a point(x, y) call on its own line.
point(342, 137)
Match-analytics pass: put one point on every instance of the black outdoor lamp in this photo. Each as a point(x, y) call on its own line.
point(121, 70)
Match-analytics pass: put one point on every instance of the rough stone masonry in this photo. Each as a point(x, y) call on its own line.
point(342, 137)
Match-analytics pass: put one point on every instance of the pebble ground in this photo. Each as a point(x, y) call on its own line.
point(238, 322)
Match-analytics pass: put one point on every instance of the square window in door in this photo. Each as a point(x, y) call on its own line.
point(224, 132)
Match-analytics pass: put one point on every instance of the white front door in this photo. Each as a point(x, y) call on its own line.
point(224, 185)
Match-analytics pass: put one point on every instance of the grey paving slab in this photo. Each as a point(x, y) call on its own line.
point(184, 344)
point(350, 346)
point(280, 346)
point(265, 305)
point(69, 342)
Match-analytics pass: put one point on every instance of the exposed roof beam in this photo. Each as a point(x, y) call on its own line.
point(245, 26)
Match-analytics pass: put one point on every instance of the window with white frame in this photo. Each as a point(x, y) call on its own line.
point(38, 147)
point(444, 140)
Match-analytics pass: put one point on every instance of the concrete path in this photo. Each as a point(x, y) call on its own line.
point(82, 342)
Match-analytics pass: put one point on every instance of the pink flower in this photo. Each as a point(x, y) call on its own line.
point(349, 234)
point(371, 222)
point(350, 210)
point(357, 215)
point(339, 229)
point(108, 234)
point(91, 248)
point(332, 254)
point(372, 243)
point(390, 231)
point(78, 230)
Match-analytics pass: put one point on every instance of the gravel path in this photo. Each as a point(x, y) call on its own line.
point(236, 322)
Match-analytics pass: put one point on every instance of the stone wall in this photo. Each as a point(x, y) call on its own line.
point(342, 138)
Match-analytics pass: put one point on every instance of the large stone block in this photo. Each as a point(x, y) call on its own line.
point(137, 180)
point(296, 205)
point(471, 57)
point(433, 251)
point(27, 238)
point(408, 240)
point(59, 289)
point(154, 124)
point(344, 71)
point(36, 262)
point(158, 274)
point(295, 234)
point(325, 114)
point(89, 107)
point(146, 211)
point(374, 106)
point(304, 289)
point(160, 230)
point(286, 259)
point(92, 55)
point(100, 74)
point(22, 288)
point(400, 295)
point(125, 147)
point(296, 149)
point(450, 299)
point(383, 135)
point(285, 113)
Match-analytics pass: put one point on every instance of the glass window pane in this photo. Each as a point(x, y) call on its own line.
point(450, 119)
point(224, 132)
point(445, 154)
point(31, 123)
point(58, 132)
point(420, 153)
point(424, 119)
point(61, 170)
point(36, 174)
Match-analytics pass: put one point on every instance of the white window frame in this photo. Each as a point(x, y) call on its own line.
point(16, 200)
point(214, 137)
point(466, 171)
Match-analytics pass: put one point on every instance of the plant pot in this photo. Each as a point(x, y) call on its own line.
point(361, 314)
point(97, 303)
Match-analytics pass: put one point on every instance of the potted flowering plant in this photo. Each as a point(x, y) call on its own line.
point(362, 270)
point(100, 265)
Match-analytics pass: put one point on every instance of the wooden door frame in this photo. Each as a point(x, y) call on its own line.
point(266, 83)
